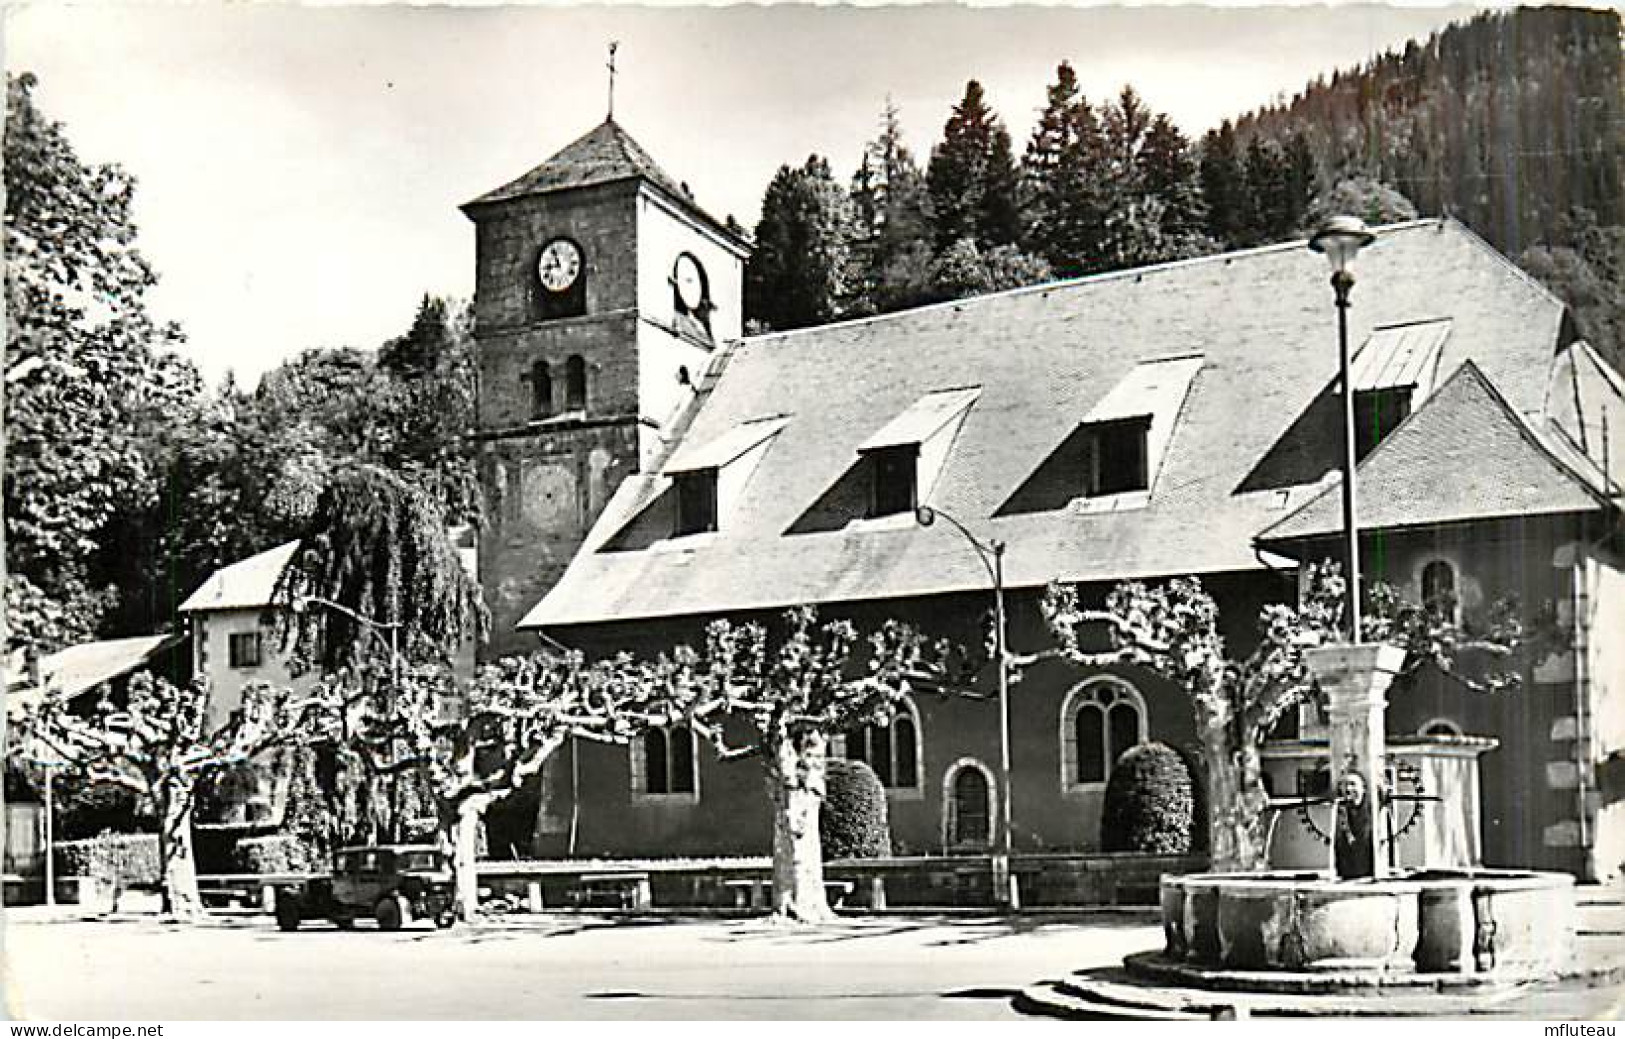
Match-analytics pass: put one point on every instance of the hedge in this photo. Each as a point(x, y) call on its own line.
point(852, 823)
point(1150, 802)
point(276, 853)
point(121, 859)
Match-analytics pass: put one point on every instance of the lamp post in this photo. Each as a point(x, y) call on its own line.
point(1339, 239)
point(991, 553)
point(378, 630)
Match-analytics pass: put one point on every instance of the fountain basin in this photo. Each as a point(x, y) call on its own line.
point(1501, 923)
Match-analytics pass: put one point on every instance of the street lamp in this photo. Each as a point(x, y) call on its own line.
point(991, 553)
point(1339, 239)
point(378, 630)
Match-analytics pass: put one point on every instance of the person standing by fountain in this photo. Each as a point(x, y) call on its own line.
point(1351, 838)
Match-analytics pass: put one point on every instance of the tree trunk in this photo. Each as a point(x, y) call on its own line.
point(465, 848)
point(1235, 802)
point(180, 890)
point(795, 778)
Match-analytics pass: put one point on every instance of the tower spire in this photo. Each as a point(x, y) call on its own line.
point(613, 44)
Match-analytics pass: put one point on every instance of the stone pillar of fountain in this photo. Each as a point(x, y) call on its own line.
point(1355, 679)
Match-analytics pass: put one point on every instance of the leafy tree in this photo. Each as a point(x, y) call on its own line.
point(972, 177)
point(798, 275)
point(159, 744)
point(1172, 629)
point(1368, 199)
point(1063, 179)
point(88, 372)
point(1590, 277)
point(377, 546)
point(791, 689)
point(962, 270)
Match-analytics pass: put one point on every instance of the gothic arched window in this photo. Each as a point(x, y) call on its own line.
point(663, 762)
point(892, 750)
point(1100, 720)
point(541, 390)
point(575, 383)
point(1439, 589)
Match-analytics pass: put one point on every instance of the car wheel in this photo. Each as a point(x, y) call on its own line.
point(287, 914)
point(391, 913)
point(445, 920)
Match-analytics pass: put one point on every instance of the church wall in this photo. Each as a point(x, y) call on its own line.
point(1528, 782)
point(664, 233)
point(1602, 734)
point(731, 813)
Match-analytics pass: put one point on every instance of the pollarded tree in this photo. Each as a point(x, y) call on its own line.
point(793, 690)
point(472, 746)
point(160, 743)
point(1173, 629)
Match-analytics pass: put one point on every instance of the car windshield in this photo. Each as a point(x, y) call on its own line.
point(419, 860)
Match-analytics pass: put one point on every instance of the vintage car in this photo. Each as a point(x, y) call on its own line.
point(396, 885)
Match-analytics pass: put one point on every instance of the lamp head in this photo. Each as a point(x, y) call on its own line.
point(925, 515)
point(1339, 238)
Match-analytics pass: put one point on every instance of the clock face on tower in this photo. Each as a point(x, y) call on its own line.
point(559, 265)
point(689, 277)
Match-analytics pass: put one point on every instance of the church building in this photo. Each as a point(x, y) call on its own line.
point(646, 469)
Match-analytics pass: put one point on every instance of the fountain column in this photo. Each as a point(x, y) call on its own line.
point(1355, 679)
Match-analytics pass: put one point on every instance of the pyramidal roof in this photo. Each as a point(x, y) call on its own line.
point(1465, 455)
point(606, 154)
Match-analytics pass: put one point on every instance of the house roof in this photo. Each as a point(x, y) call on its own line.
point(246, 584)
point(77, 670)
point(1252, 439)
point(606, 154)
point(1464, 455)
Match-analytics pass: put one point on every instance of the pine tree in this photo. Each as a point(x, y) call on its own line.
point(1224, 186)
point(890, 218)
point(1267, 188)
point(972, 177)
point(1061, 175)
point(799, 273)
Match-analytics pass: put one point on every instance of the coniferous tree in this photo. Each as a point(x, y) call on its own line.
point(891, 219)
point(1224, 186)
point(972, 177)
point(799, 273)
point(1062, 179)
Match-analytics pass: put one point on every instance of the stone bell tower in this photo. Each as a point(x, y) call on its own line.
point(601, 290)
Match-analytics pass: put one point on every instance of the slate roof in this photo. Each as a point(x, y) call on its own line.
point(246, 584)
point(1250, 443)
point(1466, 455)
point(606, 154)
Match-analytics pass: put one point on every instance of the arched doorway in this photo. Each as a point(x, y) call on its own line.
point(968, 805)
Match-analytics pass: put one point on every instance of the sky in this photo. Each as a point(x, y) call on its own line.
point(299, 168)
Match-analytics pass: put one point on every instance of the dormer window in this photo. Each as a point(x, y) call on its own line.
point(907, 454)
point(1118, 457)
point(708, 477)
point(1376, 413)
point(894, 487)
point(696, 502)
point(1392, 373)
point(1129, 429)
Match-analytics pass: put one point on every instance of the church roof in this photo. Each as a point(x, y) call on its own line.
point(606, 154)
point(1465, 455)
point(1252, 433)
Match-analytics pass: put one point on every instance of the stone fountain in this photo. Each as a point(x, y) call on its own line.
point(1360, 922)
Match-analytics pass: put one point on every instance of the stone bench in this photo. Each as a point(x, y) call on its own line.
point(630, 890)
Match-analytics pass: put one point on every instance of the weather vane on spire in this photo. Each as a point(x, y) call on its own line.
point(613, 44)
